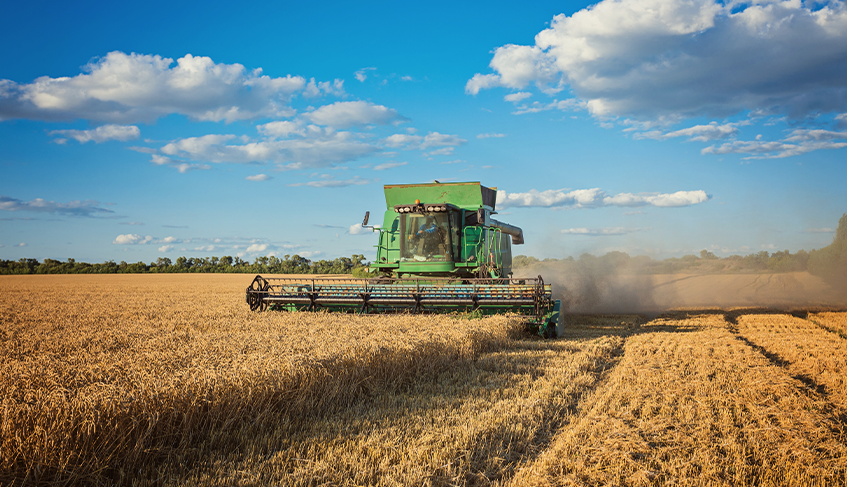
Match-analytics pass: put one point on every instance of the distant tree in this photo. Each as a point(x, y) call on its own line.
point(706, 255)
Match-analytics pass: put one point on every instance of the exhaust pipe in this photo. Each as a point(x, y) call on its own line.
point(515, 232)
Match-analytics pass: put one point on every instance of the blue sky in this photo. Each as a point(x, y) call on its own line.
point(656, 127)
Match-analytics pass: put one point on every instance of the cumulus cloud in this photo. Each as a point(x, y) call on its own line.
point(516, 97)
point(489, 136)
point(88, 208)
point(22, 244)
point(353, 113)
point(401, 140)
point(600, 232)
point(101, 134)
point(443, 143)
point(282, 128)
point(133, 87)
point(314, 89)
point(648, 58)
point(132, 239)
point(166, 248)
point(595, 198)
point(319, 147)
point(256, 248)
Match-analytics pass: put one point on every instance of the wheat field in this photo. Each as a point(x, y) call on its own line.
point(171, 380)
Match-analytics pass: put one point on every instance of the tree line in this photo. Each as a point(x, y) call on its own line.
point(829, 263)
point(288, 264)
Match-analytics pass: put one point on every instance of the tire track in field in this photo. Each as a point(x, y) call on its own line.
point(558, 404)
point(805, 350)
point(691, 404)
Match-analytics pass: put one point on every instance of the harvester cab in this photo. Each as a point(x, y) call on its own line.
point(444, 230)
point(439, 250)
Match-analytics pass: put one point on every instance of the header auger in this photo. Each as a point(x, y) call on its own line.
point(439, 251)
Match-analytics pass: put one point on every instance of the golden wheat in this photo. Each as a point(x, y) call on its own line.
point(103, 374)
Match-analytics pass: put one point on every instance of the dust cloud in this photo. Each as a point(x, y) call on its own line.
point(603, 285)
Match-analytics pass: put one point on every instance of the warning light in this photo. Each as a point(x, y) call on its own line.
point(417, 202)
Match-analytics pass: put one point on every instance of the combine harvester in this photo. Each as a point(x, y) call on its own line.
point(439, 251)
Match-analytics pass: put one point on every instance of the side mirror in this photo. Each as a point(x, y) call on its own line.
point(367, 216)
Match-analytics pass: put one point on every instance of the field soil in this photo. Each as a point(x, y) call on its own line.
point(171, 380)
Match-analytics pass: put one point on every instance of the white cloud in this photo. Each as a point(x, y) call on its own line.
point(361, 74)
point(389, 165)
point(358, 229)
point(169, 240)
point(700, 133)
point(282, 128)
point(258, 177)
point(132, 239)
point(646, 58)
point(488, 136)
point(73, 208)
point(182, 167)
point(318, 148)
point(400, 140)
point(205, 248)
point(516, 97)
point(22, 244)
point(315, 89)
point(481, 82)
point(570, 104)
point(600, 232)
point(352, 113)
point(595, 198)
point(762, 149)
point(133, 87)
point(434, 139)
point(454, 161)
point(256, 248)
point(804, 135)
point(101, 134)
point(166, 248)
point(444, 151)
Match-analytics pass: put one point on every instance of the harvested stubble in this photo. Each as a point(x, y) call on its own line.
point(835, 322)
point(807, 351)
point(103, 375)
point(474, 424)
point(691, 404)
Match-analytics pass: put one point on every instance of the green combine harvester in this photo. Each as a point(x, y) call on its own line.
point(439, 251)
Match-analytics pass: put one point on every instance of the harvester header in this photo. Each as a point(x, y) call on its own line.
point(439, 250)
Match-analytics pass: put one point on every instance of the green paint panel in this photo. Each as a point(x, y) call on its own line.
point(469, 196)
